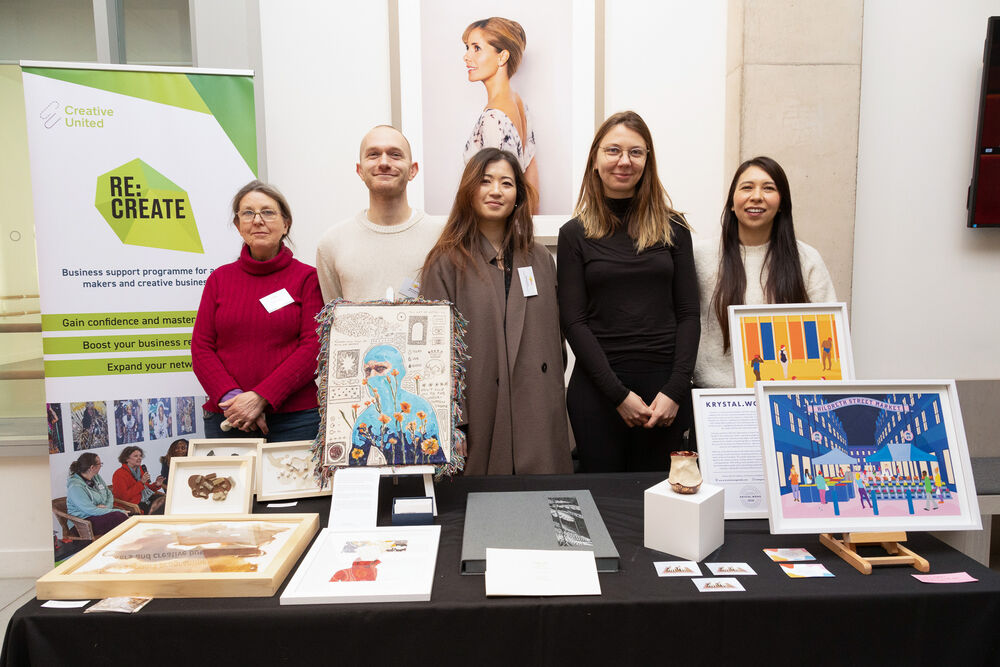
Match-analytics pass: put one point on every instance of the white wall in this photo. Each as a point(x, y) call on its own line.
point(925, 286)
point(667, 61)
point(324, 79)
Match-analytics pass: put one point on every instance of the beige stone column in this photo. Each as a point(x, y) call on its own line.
point(793, 92)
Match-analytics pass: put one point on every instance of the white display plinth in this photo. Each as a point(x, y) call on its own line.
point(688, 526)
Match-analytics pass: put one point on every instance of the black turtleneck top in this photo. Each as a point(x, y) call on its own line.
point(622, 307)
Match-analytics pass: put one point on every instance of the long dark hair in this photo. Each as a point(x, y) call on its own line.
point(652, 209)
point(784, 270)
point(86, 461)
point(460, 236)
point(173, 450)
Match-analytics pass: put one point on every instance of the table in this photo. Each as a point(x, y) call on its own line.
point(886, 618)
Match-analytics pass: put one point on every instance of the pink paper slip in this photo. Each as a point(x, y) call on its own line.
point(946, 578)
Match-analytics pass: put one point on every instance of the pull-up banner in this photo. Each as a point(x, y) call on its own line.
point(132, 172)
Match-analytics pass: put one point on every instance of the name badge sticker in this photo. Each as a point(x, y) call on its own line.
point(528, 285)
point(276, 300)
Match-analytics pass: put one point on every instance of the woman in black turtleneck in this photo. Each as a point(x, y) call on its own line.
point(628, 305)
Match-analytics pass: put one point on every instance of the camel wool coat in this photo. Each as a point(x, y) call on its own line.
point(515, 398)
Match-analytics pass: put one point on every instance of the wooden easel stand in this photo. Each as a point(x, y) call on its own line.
point(847, 548)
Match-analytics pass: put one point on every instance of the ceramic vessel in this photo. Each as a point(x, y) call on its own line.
point(685, 477)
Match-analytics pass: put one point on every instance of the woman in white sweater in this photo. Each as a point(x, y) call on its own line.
point(757, 261)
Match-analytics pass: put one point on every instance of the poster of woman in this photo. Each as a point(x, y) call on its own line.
point(517, 77)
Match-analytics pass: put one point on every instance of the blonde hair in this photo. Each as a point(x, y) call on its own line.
point(503, 35)
point(652, 210)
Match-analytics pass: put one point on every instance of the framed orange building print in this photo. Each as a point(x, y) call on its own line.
point(785, 342)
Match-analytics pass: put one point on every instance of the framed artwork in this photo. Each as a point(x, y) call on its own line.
point(443, 98)
point(865, 456)
point(285, 470)
point(227, 447)
point(802, 341)
point(210, 485)
point(185, 557)
point(725, 421)
point(390, 564)
point(386, 378)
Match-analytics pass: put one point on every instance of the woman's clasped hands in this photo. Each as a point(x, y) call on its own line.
point(245, 411)
point(661, 412)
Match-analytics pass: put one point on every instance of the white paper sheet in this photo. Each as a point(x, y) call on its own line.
point(541, 572)
point(354, 503)
point(65, 604)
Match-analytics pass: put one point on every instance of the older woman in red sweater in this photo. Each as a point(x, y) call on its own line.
point(254, 345)
point(132, 482)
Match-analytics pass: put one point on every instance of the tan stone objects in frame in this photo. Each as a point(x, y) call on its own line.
point(188, 476)
point(185, 557)
point(227, 447)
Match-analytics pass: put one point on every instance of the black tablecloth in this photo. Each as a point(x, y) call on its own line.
point(886, 618)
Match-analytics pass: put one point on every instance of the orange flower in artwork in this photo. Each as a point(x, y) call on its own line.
point(398, 416)
point(395, 372)
point(383, 418)
point(364, 381)
point(417, 378)
point(357, 453)
point(355, 406)
point(404, 407)
point(429, 446)
point(421, 415)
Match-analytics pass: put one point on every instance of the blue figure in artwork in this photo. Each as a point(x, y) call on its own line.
point(397, 426)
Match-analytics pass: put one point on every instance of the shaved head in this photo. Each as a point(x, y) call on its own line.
point(379, 132)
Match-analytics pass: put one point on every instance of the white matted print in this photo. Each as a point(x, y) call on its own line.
point(865, 456)
point(210, 485)
point(792, 341)
point(725, 421)
point(444, 99)
point(390, 564)
point(285, 470)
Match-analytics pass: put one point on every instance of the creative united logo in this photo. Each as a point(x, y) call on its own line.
point(56, 113)
point(145, 208)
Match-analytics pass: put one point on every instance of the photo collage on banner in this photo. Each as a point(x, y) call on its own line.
point(128, 229)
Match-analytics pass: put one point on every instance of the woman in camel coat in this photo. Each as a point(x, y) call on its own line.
point(487, 264)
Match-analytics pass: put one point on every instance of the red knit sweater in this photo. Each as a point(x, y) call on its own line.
point(237, 344)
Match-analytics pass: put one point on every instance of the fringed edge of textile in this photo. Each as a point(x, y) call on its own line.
point(459, 356)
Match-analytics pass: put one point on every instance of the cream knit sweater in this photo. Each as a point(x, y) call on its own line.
point(715, 368)
point(357, 259)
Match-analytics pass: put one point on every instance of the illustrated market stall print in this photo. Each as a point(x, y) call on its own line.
point(862, 455)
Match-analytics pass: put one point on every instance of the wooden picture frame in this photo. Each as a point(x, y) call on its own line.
point(285, 471)
point(271, 543)
point(227, 447)
point(880, 441)
point(725, 421)
point(797, 341)
point(236, 499)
